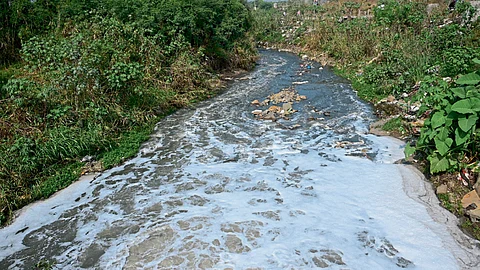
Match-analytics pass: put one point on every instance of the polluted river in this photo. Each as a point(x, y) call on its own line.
point(216, 187)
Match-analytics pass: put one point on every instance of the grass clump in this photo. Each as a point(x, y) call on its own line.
point(394, 124)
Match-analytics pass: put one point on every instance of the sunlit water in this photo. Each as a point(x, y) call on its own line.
point(217, 188)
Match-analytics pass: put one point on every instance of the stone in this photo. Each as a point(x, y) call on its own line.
point(274, 109)
point(474, 215)
point(471, 198)
point(257, 112)
point(287, 107)
point(268, 115)
point(255, 102)
point(442, 189)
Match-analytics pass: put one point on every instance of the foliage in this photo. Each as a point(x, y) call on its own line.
point(450, 137)
point(458, 60)
point(400, 14)
point(95, 75)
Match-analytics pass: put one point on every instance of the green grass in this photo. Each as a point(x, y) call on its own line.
point(127, 145)
point(394, 124)
point(445, 200)
point(61, 176)
point(471, 228)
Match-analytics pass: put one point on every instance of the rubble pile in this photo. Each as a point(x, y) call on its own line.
point(281, 105)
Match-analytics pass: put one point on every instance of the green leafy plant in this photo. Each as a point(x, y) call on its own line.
point(450, 137)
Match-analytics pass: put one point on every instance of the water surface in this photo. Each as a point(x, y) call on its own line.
point(217, 188)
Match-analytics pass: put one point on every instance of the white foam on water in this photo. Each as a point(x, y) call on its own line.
point(215, 188)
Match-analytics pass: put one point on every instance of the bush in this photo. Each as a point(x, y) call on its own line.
point(95, 76)
point(450, 137)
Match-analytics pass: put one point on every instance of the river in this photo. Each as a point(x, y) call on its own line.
point(216, 188)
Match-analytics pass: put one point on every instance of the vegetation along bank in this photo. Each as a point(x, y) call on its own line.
point(83, 82)
point(417, 61)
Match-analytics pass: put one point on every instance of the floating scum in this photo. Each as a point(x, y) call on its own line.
point(215, 187)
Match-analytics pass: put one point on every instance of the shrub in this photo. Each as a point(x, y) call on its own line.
point(450, 137)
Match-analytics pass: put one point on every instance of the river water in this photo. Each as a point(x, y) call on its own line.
point(217, 188)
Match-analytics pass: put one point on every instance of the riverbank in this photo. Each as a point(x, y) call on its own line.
point(88, 81)
point(404, 57)
point(216, 187)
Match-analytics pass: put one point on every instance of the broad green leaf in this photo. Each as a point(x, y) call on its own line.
point(476, 61)
point(448, 122)
point(442, 133)
point(431, 133)
point(459, 92)
point(475, 103)
point(438, 165)
point(409, 150)
point(462, 106)
point(438, 119)
point(447, 107)
point(449, 142)
point(473, 92)
point(470, 78)
point(455, 115)
point(460, 137)
point(441, 147)
point(467, 123)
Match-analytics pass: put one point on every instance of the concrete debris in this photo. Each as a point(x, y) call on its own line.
point(471, 204)
point(281, 105)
